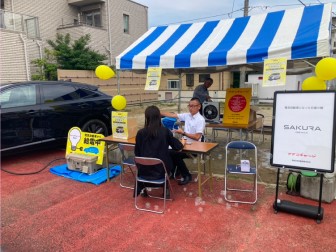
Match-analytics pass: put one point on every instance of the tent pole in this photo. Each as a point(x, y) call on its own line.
point(180, 91)
point(118, 82)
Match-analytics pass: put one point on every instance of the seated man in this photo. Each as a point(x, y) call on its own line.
point(193, 131)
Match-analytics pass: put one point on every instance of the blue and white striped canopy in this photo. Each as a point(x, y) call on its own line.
point(294, 34)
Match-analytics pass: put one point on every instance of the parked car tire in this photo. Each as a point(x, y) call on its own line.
point(95, 126)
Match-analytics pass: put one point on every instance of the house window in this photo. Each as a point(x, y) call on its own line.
point(203, 77)
point(173, 84)
point(190, 80)
point(32, 28)
point(126, 23)
point(93, 18)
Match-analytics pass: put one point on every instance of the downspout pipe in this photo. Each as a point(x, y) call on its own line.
point(25, 56)
point(109, 31)
point(39, 44)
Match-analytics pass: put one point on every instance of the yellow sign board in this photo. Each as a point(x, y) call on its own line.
point(153, 78)
point(237, 106)
point(85, 143)
point(122, 126)
point(275, 72)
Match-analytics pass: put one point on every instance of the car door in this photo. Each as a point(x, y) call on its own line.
point(19, 111)
point(61, 109)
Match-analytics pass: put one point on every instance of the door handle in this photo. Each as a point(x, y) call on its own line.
point(31, 112)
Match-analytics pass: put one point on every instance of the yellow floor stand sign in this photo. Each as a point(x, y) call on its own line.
point(123, 127)
point(85, 143)
point(237, 106)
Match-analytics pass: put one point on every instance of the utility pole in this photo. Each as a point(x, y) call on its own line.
point(243, 68)
point(246, 7)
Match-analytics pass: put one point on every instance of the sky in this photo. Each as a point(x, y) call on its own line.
point(165, 12)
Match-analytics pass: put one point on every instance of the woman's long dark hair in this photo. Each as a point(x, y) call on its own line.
point(152, 120)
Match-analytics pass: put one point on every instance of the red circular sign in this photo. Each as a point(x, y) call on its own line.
point(237, 103)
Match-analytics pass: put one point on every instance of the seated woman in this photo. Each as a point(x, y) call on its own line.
point(154, 141)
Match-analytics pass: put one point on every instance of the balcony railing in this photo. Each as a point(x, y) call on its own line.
point(76, 24)
point(84, 2)
point(20, 23)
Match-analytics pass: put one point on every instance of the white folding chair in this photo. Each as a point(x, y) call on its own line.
point(143, 163)
point(245, 151)
point(127, 161)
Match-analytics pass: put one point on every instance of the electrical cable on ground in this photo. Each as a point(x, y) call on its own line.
point(31, 173)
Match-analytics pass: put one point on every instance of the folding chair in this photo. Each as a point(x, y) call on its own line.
point(148, 163)
point(245, 151)
point(127, 155)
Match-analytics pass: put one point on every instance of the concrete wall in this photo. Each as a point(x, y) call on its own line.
point(131, 84)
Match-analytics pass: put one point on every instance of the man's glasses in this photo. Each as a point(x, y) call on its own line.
point(192, 106)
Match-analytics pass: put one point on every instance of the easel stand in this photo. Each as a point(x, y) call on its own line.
point(299, 209)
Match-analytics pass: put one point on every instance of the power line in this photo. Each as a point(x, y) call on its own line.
point(229, 14)
point(196, 19)
point(302, 2)
point(232, 8)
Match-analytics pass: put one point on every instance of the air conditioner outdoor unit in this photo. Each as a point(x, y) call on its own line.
point(211, 111)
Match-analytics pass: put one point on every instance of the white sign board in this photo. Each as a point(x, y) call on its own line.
point(304, 130)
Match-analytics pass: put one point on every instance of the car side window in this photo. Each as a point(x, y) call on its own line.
point(18, 96)
point(55, 93)
point(85, 93)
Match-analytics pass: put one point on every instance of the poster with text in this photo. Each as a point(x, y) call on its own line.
point(119, 124)
point(303, 130)
point(85, 143)
point(275, 72)
point(237, 106)
point(153, 78)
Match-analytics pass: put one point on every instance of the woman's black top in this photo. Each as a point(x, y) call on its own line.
point(156, 147)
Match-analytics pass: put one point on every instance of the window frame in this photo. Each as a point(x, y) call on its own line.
point(126, 22)
point(29, 91)
point(169, 84)
point(93, 14)
point(202, 77)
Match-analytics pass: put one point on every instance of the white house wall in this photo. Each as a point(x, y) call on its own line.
point(137, 23)
point(55, 13)
point(51, 14)
point(293, 82)
point(12, 57)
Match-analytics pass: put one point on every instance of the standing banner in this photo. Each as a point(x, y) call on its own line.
point(122, 126)
point(85, 143)
point(275, 72)
point(237, 106)
point(303, 133)
point(153, 78)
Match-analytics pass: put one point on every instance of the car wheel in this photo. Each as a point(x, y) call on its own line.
point(95, 126)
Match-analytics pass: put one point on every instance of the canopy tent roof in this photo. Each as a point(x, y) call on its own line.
point(294, 34)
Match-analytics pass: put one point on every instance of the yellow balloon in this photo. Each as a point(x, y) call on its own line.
point(104, 72)
point(326, 69)
point(119, 102)
point(313, 83)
